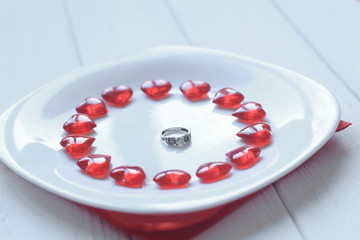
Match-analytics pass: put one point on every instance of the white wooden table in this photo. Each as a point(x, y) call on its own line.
point(41, 40)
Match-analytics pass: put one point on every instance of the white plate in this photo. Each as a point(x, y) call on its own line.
point(302, 114)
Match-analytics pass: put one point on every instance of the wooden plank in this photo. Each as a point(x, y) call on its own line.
point(331, 28)
point(27, 210)
point(117, 28)
point(263, 217)
point(36, 46)
point(321, 195)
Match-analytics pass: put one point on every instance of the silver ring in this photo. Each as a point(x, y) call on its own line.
point(176, 136)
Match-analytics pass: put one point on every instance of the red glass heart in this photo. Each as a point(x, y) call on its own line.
point(79, 123)
point(195, 90)
point(156, 89)
point(250, 112)
point(256, 134)
point(228, 97)
point(117, 96)
point(172, 179)
point(77, 145)
point(128, 176)
point(93, 107)
point(95, 165)
point(213, 171)
point(244, 157)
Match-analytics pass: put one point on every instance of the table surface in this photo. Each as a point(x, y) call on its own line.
point(42, 40)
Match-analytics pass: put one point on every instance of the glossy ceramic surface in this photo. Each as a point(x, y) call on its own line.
point(303, 116)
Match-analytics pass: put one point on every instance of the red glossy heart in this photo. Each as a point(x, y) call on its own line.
point(195, 90)
point(156, 89)
point(79, 123)
point(228, 98)
point(250, 112)
point(128, 176)
point(172, 179)
point(77, 145)
point(213, 171)
point(117, 96)
point(93, 107)
point(256, 134)
point(244, 157)
point(95, 165)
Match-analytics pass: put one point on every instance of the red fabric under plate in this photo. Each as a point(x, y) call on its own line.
point(342, 125)
point(184, 226)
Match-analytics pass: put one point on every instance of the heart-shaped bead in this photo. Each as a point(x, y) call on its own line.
point(195, 90)
point(228, 98)
point(93, 107)
point(172, 179)
point(95, 165)
point(213, 171)
point(256, 134)
point(156, 89)
point(117, 96)
point(79, 123)
point(250, 112)
point(77, 145)
point(128, 176)
point(244, 157)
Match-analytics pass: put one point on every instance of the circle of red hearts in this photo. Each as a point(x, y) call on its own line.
point(78, 145)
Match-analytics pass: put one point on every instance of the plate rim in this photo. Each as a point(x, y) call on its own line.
point(7, 159)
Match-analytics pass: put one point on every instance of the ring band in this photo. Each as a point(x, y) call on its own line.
point(176, 136)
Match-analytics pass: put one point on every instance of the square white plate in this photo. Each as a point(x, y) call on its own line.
point(303, 116)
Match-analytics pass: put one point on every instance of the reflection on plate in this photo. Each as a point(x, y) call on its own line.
point(302, 114)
